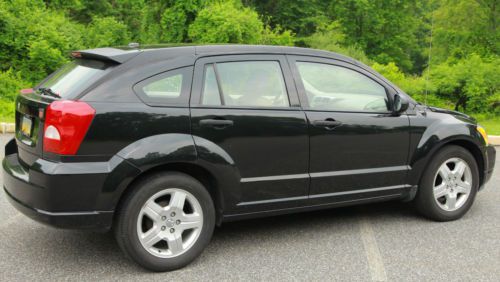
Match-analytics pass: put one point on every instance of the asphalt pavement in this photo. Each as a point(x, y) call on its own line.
point(379, 242)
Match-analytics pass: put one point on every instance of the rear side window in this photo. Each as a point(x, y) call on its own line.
point(336, 88)
point(73, 78)
point(245, 84)
point(168, 88)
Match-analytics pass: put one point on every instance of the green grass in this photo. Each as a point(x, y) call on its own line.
point(490, 123)
point(6, 119)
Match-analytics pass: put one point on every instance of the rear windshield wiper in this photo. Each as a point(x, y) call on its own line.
point(49, 92)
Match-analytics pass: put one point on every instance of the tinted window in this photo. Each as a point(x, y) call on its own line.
point(249, 83)
point(336, 88)
point(168, 88)
point(211, 95)
point(74, 77)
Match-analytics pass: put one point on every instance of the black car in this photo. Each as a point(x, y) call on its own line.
point(162, 144)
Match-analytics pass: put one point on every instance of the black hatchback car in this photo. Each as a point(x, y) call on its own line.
point(161, 144)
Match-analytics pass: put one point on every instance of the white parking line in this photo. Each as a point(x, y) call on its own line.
point(375, 262)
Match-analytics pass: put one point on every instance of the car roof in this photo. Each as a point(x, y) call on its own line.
point(161, 52)
point(122, 54)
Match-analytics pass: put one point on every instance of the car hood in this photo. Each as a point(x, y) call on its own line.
point(457, 114)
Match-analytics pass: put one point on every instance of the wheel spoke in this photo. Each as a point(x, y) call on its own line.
point(151, 237)
point(444, 171)
point(190, 221)
point(460, 169)
point(153, 210)
point(177, 200)
point(463, 187)
point(451, 201)
point(440, 190)
point(174, 241)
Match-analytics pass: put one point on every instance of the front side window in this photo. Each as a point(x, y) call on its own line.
point(245, 84)
point(335, 88)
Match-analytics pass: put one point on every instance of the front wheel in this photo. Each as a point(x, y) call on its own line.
point(166, 221)
point(449, 185)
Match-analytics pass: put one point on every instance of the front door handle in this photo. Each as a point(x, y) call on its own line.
point(328, 123)
point(216, 123)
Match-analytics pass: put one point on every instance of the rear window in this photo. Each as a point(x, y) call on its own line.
point(73, 78)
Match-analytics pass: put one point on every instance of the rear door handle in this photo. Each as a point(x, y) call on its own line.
point(327, 123)
point(217, 123)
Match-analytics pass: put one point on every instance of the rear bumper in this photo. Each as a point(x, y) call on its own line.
point(66, 195)
point(68, 220)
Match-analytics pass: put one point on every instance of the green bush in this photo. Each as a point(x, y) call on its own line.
point(226, 23)
point(10, 84)
point(7, 111)
point(472, 83)
point(105, 32)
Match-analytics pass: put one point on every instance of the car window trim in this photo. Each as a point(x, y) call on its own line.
point(293, 59)
point(199, 73)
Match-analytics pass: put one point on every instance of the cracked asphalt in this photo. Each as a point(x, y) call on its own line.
point(378, 242)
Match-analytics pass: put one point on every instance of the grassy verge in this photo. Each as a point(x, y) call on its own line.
point(7, 119)
point(490, 123)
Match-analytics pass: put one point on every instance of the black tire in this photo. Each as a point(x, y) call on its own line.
point(125, 228)
point(424, 200)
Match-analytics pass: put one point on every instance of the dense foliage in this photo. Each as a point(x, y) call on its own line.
point(392, 36)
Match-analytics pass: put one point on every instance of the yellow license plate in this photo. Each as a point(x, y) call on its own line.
point(26, 125)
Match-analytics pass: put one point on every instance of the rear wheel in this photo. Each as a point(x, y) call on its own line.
point(166, 221)
point(449, 185)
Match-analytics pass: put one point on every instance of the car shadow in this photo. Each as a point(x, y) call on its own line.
point(101, 250)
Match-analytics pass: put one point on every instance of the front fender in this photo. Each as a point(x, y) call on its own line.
point(431, 133)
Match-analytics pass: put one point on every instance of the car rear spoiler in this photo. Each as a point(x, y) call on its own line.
point(106, 54)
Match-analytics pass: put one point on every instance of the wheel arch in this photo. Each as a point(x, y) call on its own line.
point(196, 171)
point(419, 165)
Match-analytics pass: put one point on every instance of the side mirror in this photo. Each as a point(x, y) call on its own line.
point(400, 105)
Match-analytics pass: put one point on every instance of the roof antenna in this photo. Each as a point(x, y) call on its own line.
point(429, 61)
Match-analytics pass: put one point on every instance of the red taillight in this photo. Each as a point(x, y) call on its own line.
point(66, 123)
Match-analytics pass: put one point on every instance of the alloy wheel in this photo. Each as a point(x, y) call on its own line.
point(169, 223)
point(452, 184)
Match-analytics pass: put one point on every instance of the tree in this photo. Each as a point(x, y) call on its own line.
point(385, 29)
point(35, 40)
point(226, 23)
point(463, 27)
point(107, 31)
point(176, 19)
point(299, 16)
point(469, 82)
